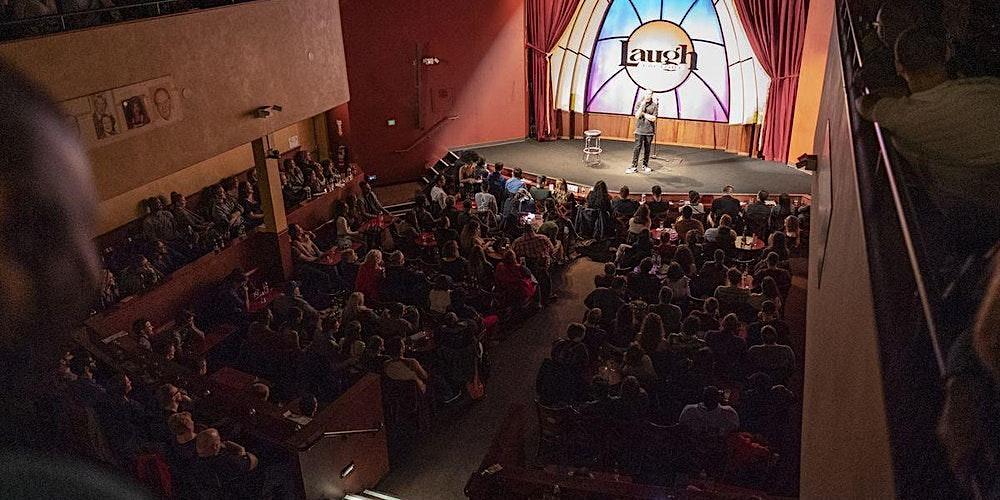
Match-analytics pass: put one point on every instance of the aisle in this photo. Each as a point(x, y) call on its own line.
point(438, 466)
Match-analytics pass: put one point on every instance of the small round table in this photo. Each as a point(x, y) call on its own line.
point(592, 146)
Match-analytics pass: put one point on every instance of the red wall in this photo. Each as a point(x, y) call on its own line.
point(481, 78)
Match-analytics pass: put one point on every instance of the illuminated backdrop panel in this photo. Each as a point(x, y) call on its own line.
point(692, 53)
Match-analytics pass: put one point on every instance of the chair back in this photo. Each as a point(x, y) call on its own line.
point(553, 421)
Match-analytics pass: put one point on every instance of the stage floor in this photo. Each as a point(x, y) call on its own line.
point(677, 170)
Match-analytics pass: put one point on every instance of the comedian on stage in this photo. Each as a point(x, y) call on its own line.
point(645, 128)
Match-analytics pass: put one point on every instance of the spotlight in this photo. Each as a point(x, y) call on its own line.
point(262, 112)
point(276, 107)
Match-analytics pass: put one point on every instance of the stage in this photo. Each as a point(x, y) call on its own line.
point(677, 170)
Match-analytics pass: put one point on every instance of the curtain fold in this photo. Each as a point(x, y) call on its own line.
point(776, 30)
point(547, 19)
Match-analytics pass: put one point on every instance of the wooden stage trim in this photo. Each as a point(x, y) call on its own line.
point(723, 136)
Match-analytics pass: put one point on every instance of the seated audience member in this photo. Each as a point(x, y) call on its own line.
point(460, 306)
point(233, 300)
point(222, 467)
point(308, 406)
point(713, 272)
point(259, 392)
point(515, 183)
point(438, 196)
point(768, 292)
point(608, 300)
point(710, 418)
point(694, 201)
point(781, 277)
point(686, 222)
point(638, 364)
point(400, 367)
point(486, 203)
point(444, 232)
point(252, 211)
point(540, 190)
point(732, 293)
point(774, 359)
point(726, 205)
point(561, 192)
point(343, 235)
point(140, 276)
point(537, 251)
point(658, 207)
point(679, 284)
point(571, 352)
point(370, 276)
point(758, 215)
point(686, 342)
point(291, 191)
point(480, 269)
point(354, 308)
point(708, 315)
point(669, 313)
point(728, 347)
point(465, 217)
point(768, 316)
point(451, 213)
point(162, 258)
point(626, 325)
point(184, 217)
point(347, 270)
point(373, 358)
point(957, 159)
point(515, 281)
point(639, 222)
point(370, 200)
point(684, 256)
point(159, 224)
point(169, 399)
point(292, 298)
point(458, 349)
point(629, 256)
point(142, 333)
point(609, 371)
point(723, 235)
point(439, 297)
point(642, 283)
point(392, 324)
point(182, 449)
point(453, 264)
point(84, 389)
point(776, 243)
point(604, 280)
point(633, 400)
point(624, 207)
point(226, 212)
point(402, 283)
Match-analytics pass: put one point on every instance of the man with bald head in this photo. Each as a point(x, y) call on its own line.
point(222, 462)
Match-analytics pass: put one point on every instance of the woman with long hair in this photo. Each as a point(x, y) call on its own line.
point(561, 192)
point(599, 199)
point(370, 275)
point(353, 307)
point(684, 259)
point(651, 336)
point(471, 237)
point(768, 291)
point(640, 221)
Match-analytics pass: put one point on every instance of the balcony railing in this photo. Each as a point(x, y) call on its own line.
point(924, 294)
point(44, 18)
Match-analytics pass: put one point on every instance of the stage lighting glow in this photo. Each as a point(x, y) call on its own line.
point(677, 51)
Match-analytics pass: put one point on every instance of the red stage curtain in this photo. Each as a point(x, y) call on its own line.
point(776, 29)
point(547, 19)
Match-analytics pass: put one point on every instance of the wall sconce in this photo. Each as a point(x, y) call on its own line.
point(265, 111)
point(430, 61)
point(346, 471)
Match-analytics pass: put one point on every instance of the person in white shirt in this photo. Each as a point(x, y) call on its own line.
point(438, 195)
point(945, 128)
point(710, 417)
point(486, 202)
point(694, 201)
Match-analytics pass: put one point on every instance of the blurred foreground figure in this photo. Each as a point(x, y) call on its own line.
point(48, 271)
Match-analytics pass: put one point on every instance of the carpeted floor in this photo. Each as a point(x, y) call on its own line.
point(677, 170)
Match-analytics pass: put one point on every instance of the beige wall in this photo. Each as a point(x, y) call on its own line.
point(845, 443)
point(225, 61)
point(120, 210)
point(810, 91)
